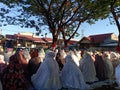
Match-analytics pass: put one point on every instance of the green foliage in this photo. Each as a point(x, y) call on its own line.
point(60, 15)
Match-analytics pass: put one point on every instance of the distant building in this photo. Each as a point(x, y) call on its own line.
point(30, 40)
point(100, 40)
point(25, 40)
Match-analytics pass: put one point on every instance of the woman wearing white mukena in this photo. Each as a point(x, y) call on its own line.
point(47, 75)
point(71, 76)
point(87, 68)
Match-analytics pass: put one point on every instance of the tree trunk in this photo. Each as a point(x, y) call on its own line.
point(118, 26)
point(117, 23)
point(54, 43)
point(65, 43)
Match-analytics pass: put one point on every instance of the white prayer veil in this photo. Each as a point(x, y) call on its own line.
point(62, 54)
point(117, 75)
point(113, 56)
point(88, 68)
point(78, 54)
point(74, 58)
point(71, 75)
point(7, 54)
point(2, 59)
point(41, 54)
point(47, 75)
point(26, 54)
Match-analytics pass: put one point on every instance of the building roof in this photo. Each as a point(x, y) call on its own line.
point(25, 37)
point(99, 38)
point(96, 38)
point(33, 38)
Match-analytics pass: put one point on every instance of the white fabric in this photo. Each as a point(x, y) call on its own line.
point(113, 56)
point(87, 67)
point(108, 66)
point(7, 55)
point(62, 54)
point(47, 75)
point(26, 55)
point(117, 74)
point(2, 59)
point(74, 58)
point(78, 54)
point(71, 76)
point(41, 54)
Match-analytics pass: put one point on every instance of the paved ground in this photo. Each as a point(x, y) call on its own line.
point(105, 85)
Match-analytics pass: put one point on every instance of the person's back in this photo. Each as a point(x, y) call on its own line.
point(100, 67)
point(47, 75)
point(3, 65)
point(33, 65)
point(15, 75)
point(87, 67)
point(71, 76)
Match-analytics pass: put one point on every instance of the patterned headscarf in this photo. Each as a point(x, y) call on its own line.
point(14, 76)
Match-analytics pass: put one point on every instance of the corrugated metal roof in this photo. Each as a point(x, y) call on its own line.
point(25, 37)
point(99, 38)
point(96, 38)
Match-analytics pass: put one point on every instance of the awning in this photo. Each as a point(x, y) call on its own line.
point(109, 44)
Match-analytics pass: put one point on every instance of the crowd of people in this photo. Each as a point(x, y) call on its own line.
point(56, 69)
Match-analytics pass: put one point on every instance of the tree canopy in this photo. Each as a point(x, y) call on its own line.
point(61, 16)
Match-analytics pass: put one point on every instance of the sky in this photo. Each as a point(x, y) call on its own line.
point(100, 27)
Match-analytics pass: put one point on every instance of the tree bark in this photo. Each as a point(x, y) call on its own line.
point(118, 25)
point(116, 20)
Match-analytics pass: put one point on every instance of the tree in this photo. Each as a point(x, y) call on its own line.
point(115, 10)
point(59, 15)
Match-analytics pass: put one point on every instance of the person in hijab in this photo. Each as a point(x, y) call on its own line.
point(41, 54)
point(35, 62)
point(108, 65)
point(26, 54)
point(47, 75)
point(100, 67)
point(60, 58)
point(87, 68)
point(7, 54)
point(33, 52)
point(115, 61)
point(71, 75)
point(77, 57)
point(117, 75)
point(3, 65)
point(15, 75)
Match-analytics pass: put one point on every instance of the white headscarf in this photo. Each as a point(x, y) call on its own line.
point(62, 54)
point(26, 55)
point(41, 54)
point(71, 75)
point(47, 75)
point(9, 52)
point(88, 68)
point(113, 56)
point(2, 59)
point(74, 58)
point(78, 54)
point(117, 75)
